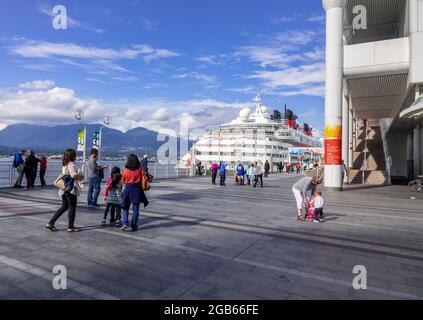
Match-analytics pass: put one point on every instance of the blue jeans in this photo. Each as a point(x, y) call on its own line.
point(93, 191)
point(222, 179)
point(135, 217)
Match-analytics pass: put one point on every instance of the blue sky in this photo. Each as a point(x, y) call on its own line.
point(152, 63)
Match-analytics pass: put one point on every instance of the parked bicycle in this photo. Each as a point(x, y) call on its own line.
point(416, 185)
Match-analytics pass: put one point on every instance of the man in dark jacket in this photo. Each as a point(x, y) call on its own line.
point(266, 169)
point(31, 165)
point(19, 165)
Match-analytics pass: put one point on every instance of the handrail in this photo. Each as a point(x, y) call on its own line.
point(8, 173)
point(366, 138)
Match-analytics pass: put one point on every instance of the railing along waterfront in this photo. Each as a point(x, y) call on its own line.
point(8, 173)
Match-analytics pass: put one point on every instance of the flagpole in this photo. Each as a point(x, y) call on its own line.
point(84, 152)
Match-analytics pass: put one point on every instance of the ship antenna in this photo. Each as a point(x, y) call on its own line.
point(257, 100)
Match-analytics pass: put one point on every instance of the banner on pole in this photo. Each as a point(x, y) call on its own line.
point(81, 140)
point(96, 140)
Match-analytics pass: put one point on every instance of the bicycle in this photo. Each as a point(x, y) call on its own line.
point(416, 185)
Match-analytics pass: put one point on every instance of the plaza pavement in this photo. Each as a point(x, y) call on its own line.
point(198, 241)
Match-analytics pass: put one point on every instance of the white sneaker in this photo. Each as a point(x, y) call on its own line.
point(124, 228)
point(316, 221)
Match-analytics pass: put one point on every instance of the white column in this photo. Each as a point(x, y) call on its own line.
point(334, 85)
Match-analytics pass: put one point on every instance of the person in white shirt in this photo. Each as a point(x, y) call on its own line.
point(319, 203)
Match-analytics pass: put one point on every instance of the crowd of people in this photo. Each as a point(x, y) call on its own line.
point(28, 164)
point(123, 190)
point(126, 189)
point(250, 174)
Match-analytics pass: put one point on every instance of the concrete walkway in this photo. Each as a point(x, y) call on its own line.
point(198, 241)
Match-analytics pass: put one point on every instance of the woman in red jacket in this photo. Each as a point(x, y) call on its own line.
point(132, 192)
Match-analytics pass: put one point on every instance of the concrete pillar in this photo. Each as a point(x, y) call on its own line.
point(416, 151)
point(410, 155)
point(334, 85)
point(345, 129)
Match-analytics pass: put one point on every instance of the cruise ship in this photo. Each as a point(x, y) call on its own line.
point(256, 136)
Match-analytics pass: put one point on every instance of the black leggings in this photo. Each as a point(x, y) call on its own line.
point(256, 180)
point(116, 208)
point(69, 202)
point(30, 178)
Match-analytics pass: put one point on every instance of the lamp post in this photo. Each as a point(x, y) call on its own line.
point(107, 122)
point(79, 115)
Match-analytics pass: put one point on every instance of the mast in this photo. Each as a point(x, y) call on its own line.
point(257, 100)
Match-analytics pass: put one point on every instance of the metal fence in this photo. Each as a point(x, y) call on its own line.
point(8, 174)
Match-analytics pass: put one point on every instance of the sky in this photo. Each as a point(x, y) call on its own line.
point(152, 64)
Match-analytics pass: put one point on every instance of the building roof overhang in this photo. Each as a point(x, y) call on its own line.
point(415, 111)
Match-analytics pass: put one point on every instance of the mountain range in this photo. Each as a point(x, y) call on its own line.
point(55, 139)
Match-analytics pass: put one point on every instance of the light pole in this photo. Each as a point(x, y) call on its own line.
point(79, 115)
point(107, 122)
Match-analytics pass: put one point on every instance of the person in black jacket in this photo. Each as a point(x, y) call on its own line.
point(31, 165)
point(266, 169)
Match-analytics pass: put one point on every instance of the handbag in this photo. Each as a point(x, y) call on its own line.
point(60, 183)
point(145, 183)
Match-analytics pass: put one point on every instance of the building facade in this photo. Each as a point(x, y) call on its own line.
point(374, 87)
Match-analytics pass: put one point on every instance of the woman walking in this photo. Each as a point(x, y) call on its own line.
point(258, 174)
point(300, 190)
point(69, 198)
point(132, 192)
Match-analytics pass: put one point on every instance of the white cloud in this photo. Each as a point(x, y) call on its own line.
point(210, 81)
point(40, 49)
point(38, 84)
point(246, 90)
point(317, 91)
point(57, 105)
point(292, 63)
point(294, 76)
point(317, 18)
point(45, 107)
point(161, 114)
point(90, 59)
point(266, 56)
point(150, 25)
point(91, 79)
point(126, 79)
point(207, 59)
point(285, 19)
